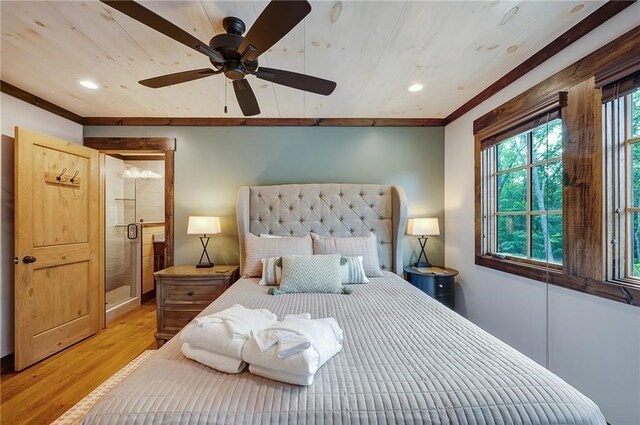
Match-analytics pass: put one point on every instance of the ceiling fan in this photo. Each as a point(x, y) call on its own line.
point(233, 54)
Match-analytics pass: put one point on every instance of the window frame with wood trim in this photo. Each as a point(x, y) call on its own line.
point(584, 197)
point(619, 99)
point(528, 166)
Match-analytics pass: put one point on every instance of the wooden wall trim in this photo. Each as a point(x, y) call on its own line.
point(620, 49)
point(265, 122)
point(34, 100)
point(135, 144)
point(588, 24)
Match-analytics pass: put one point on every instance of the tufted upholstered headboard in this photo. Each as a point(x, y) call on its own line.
point(339, 210)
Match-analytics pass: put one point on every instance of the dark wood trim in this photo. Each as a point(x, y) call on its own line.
point(169, 207)
point(266, 122)
point(588, 24)
point(133, 144)
point(6, 364)
point(613, 291)
point(148, 296)
point(158, 157)
point(164, 145)
point(34, 100)
point(620, 49)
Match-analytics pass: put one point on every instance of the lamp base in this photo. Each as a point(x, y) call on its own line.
point(422, 265)
point(204, 266)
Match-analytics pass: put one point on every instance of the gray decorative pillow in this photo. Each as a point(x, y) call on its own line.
point(257, 248)
point(311, 273)
point(365, 246)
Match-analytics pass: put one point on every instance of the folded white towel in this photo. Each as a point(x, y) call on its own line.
point(216, 338)
point(240, 320)
point(306, 316)
point(281, 347)
point(276, 375)
point(214, 360)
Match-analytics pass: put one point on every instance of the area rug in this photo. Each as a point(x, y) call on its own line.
point(74, 415)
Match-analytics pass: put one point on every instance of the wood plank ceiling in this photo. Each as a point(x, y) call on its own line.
point(373, 50)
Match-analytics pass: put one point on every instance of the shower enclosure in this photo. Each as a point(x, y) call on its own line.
point(123, 248)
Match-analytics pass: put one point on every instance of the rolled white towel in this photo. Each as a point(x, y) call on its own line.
point(240, 320)
point(213, 360)
point(263, 350)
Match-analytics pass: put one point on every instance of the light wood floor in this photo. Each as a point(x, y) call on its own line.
point(41, 393)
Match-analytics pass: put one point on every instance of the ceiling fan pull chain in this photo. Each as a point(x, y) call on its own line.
point(225, 96)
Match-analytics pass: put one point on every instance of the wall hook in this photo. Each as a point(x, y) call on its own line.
point(73, 179)
point(59, 178)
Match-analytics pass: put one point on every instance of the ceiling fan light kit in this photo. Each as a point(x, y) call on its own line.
point(232, 54)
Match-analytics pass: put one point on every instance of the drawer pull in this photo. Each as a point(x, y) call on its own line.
point(440, 285)
point(190, 293)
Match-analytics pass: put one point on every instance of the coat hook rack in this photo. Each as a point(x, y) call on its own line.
point(59, 177)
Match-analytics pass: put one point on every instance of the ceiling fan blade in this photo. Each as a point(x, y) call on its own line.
point(177, 78)
point(275, 21)
point(297, 81)
point(246, 98)
point(151, 19)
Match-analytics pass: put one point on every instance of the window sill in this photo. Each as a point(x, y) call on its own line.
point(617, 291)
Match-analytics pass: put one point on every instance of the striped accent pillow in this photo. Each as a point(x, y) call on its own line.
point(271, 271)
point(257, 248)
point(311, 273)
point(352, 271)
point(365, 246)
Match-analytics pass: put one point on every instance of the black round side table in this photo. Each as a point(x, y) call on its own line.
point(438, 286)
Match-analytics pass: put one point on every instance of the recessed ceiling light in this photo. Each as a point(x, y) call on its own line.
point(88, 84)
point(415, 87)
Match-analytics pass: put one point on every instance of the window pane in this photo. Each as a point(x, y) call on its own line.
point(512, 191)
point(512, 152)
point(547, 145)
point(546, 187)
point(635, 114)
point(512, 235)
point(546, 237)
point(635, 244)
point(635, 175)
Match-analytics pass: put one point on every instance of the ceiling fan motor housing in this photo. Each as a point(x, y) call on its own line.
point(227, 45)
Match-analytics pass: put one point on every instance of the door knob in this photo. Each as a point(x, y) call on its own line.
point(28, 259)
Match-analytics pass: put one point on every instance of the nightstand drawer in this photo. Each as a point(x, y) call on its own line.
point(173, 320)
point(443, 288)
point(197, 292)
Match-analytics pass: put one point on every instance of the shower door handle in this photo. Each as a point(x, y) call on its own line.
point(132, 231)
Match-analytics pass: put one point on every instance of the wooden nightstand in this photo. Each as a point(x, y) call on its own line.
point(182, 292)
point(438, 286)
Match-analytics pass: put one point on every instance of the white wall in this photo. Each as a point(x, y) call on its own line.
point(14, 113)
point(592, 343)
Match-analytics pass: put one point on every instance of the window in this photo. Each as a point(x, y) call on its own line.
point(621, 123)
point(523, 193)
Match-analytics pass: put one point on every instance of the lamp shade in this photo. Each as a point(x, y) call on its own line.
point(199, 225)
point(423, 227)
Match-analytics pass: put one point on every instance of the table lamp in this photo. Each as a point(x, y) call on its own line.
point(199, 225)
point(423, 227)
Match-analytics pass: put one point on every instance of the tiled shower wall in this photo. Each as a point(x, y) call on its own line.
point(149, 192)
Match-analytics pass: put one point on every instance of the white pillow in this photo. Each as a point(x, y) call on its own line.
point(257, 248)
point(365, 246)
point(266, 235)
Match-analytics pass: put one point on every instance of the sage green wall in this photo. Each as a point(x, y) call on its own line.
point(212, 162)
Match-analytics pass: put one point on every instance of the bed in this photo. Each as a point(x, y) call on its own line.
point(406, 358)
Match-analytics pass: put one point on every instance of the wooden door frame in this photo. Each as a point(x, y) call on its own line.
point(136, 145)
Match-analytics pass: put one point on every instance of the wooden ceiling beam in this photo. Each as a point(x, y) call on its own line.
point(265, 122)
point(588, 24)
